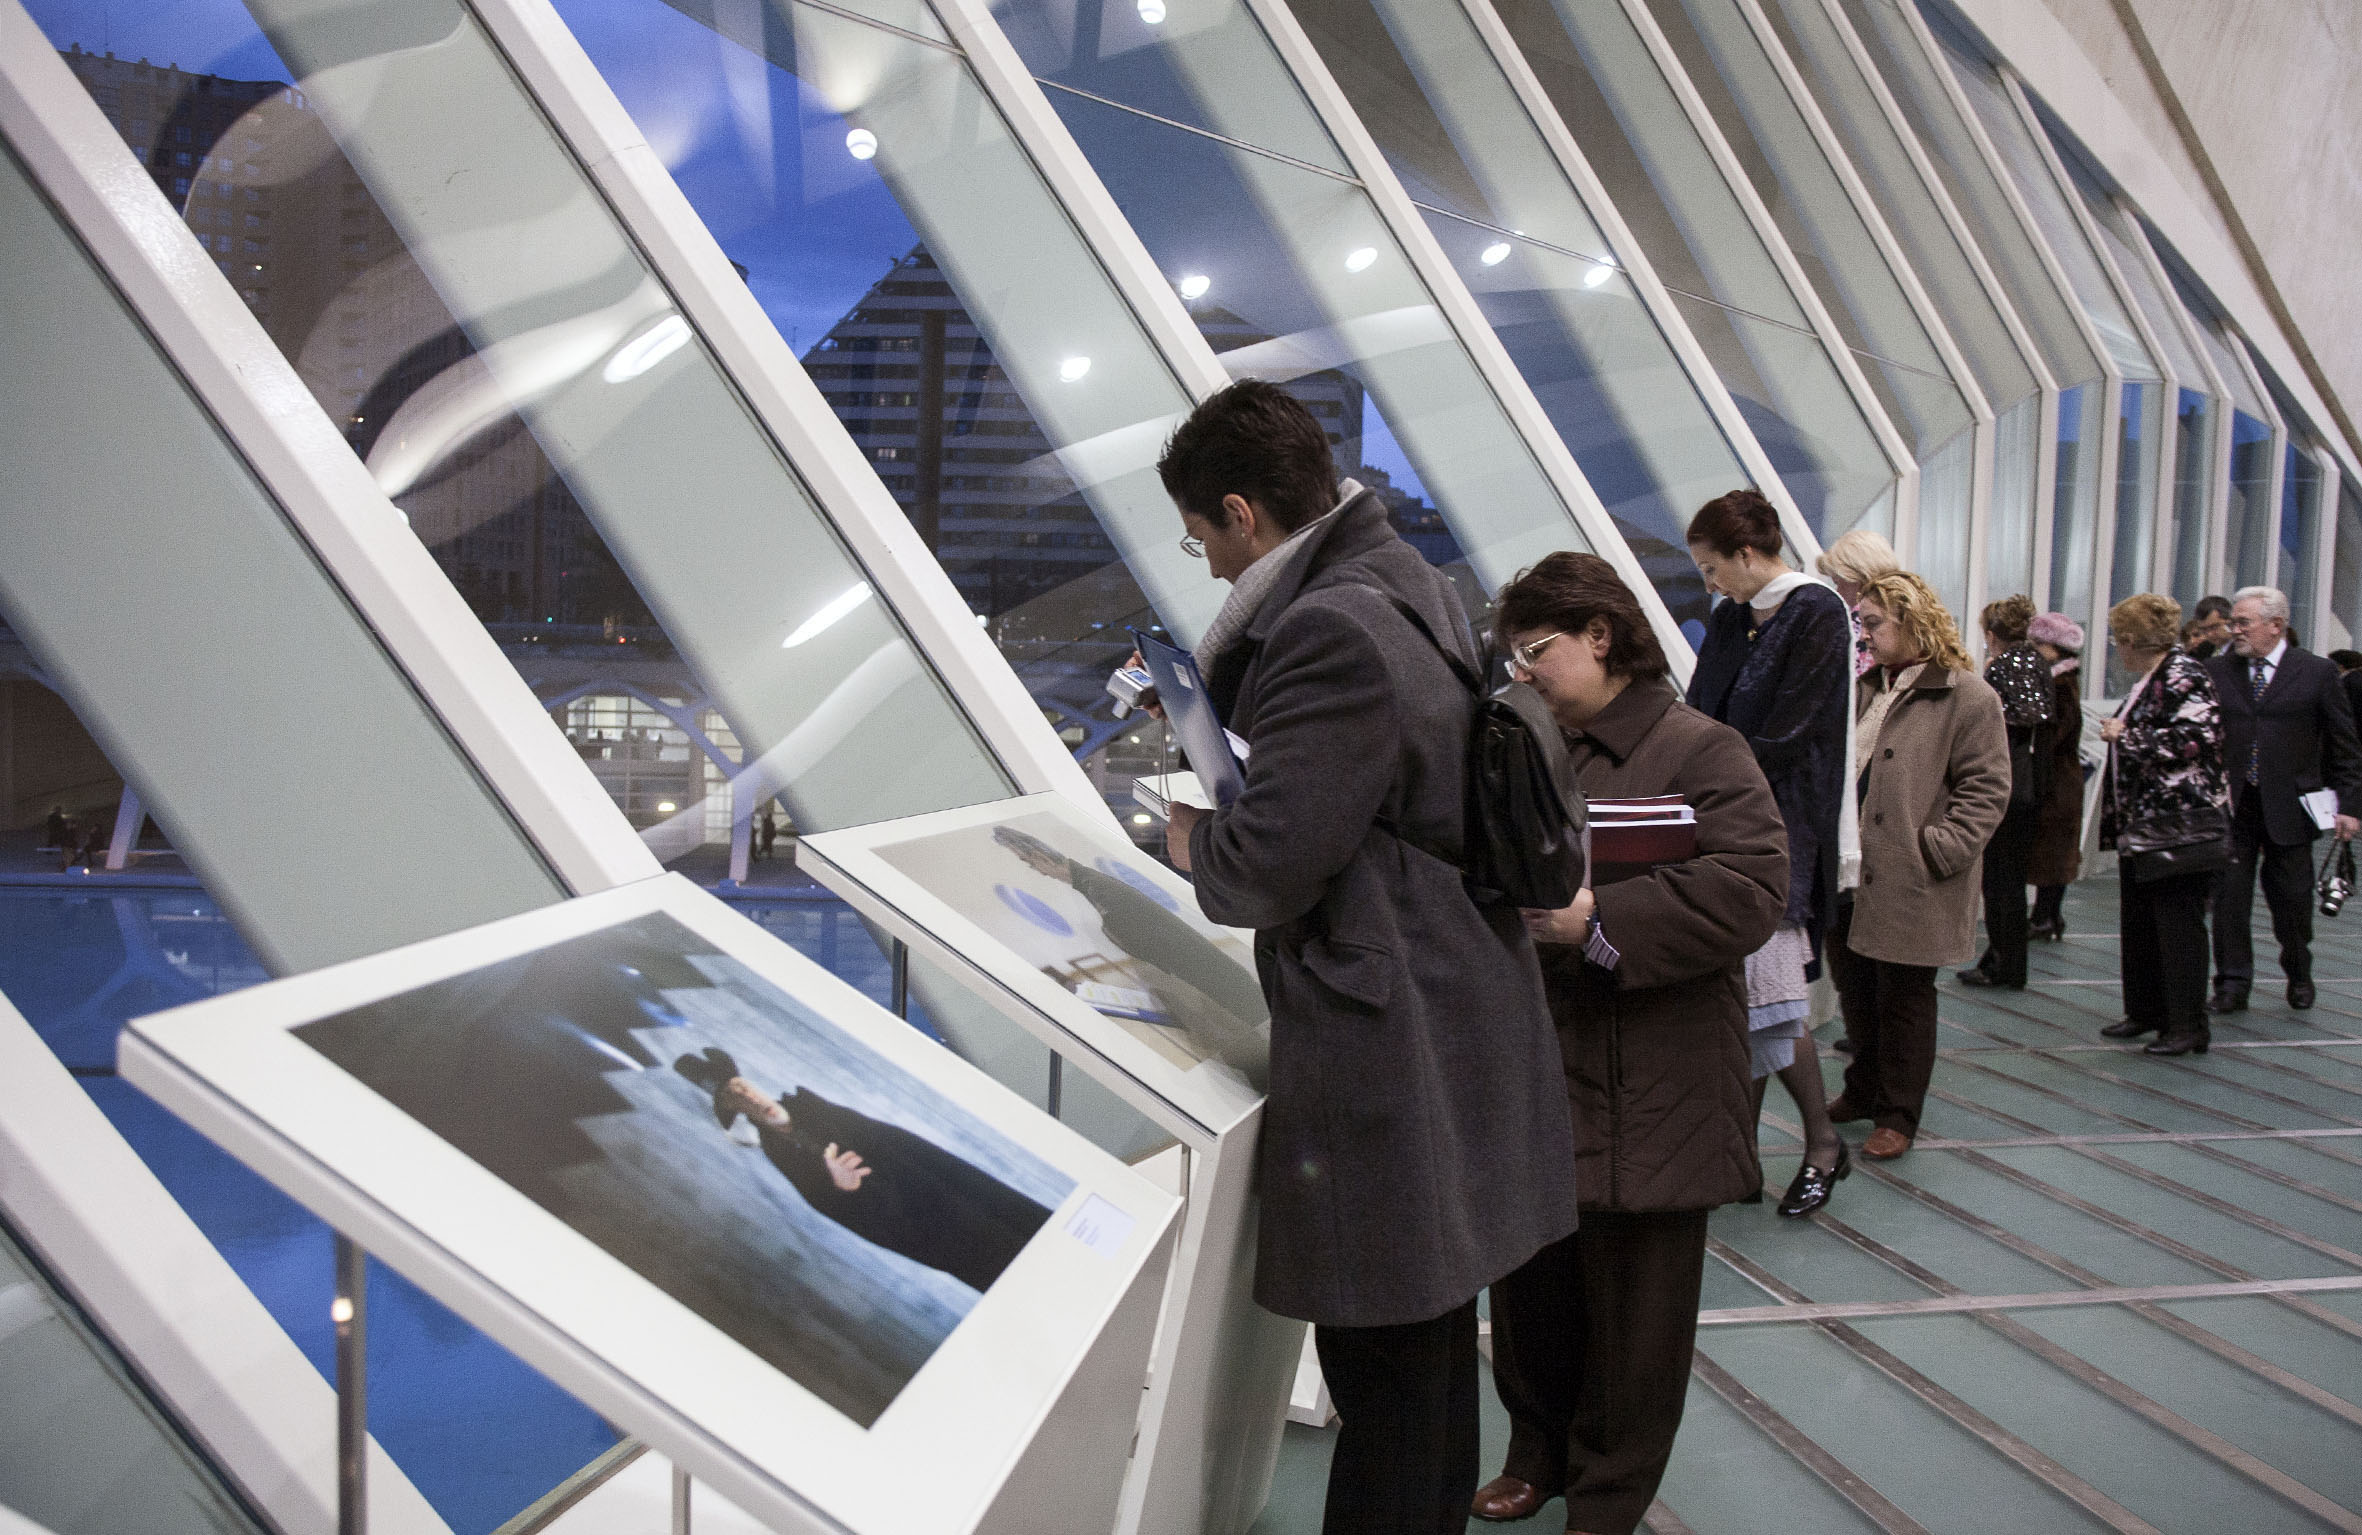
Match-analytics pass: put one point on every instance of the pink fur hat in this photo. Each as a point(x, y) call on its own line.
point(2057, 629)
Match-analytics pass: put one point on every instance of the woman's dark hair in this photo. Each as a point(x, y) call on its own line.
point(1742, 519)
point(2007, 619)
point(1565, 592)
point(1256, 440)
point(2346, 660)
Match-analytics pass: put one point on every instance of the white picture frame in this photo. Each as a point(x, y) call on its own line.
point(1053, 1350)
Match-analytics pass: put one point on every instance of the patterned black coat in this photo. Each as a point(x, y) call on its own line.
point(1785, 685)
point(2165, 785)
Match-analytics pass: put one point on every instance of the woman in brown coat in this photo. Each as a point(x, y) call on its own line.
point(1646, 978)
point(2058, 831)
point(1931, 764)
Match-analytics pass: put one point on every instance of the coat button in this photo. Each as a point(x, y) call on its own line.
point(1890, 751)
point(1878, 819)
point(1867, 879)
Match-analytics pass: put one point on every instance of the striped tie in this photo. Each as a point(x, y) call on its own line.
point(2255, 749)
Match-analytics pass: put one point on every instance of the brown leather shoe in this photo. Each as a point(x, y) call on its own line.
point(1842, 1111)
point(1885, 1145)
point(1505, 1498)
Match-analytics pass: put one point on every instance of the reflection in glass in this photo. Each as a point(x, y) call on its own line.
point(2342, 624)
point(1620, 109)
point(2193, 481)
point(444, 280)
point(2300, 533)
point(2075, 499)
point(2248, 520)
point(1497, 200)
point(2139, 461)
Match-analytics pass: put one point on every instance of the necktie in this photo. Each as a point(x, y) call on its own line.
point(2255, 748)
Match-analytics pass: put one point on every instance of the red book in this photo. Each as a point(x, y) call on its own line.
point(1629, 837)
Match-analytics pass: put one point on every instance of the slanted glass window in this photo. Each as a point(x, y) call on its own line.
point(1623, 113)
point(1496, 198)
point(1222, 167)
point(908, 251)
point(463, 304)
point(2341, 624)
point(2247, 517)
point(2301, 490)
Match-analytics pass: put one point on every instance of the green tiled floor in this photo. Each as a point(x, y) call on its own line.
point(2055, 1169)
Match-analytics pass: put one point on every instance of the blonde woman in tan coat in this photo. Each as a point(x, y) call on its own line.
point(1931, 767)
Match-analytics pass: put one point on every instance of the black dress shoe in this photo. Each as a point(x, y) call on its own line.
point(2130, 1028)
point(2300, 995)
point(2049, 932)
point(1812, 1187)
point(1978, 975)
point(2228, 999)
point(2181, 1042)
point(1842, 1045)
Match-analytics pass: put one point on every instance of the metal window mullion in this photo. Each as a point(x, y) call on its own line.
point(2218, 481)
point(1461, 312)
point(648, 205)
point(1759, 217)
point(262, 407)
point(1980, 514)
point(1642, 273)
point(2085, 222)
point(2046, 479)
point(1067, 171)
point(1865, 206)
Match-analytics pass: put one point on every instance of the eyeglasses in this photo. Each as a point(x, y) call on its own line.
point(2245, 623)
point(1523, 656)
point(1193, 546)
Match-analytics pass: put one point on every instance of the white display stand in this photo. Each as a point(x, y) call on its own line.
point(958, 888)
point(805, 1382)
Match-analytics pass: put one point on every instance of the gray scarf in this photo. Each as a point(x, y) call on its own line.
point(1256, 581)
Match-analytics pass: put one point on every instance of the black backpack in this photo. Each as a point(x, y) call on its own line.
point(1523, 822)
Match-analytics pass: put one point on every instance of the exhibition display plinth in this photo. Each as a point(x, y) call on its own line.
point(1099, 951)
point(729, 1202)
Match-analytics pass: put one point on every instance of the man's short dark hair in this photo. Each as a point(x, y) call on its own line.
point(1256, 440)
point(2210, 604)
point(1565, 592)
point(2346, 660)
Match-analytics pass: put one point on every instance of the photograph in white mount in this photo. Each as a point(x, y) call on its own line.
point(732, 1204)
point(727, 1143)
point(1104, 921)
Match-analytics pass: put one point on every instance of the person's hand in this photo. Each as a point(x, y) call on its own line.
point(845, 1168)
point(1570, 924)
point(2111, 729)
point(2346, 827)
point(1148, 706)
point(1184, 819)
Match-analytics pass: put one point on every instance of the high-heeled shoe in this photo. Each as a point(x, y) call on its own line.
point(1812, 1187)
point(2049, 932)
point(2180, 1042)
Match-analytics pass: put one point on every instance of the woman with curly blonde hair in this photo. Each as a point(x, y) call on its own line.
point(1931, 768)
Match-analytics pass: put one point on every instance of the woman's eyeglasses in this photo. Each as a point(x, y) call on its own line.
point(1524, 656)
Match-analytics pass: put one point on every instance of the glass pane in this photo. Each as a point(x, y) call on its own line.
point(2075, 501)
point(1621, 110)
point(2030, 171)
point(1893, 42)
point(1454, 130)
point(1822, 228)
point(2248, 522)
point(460, 300)
point(1292, 276)
point(2342, 624)
point(2139, 461)
point(903, 243)
point(82, 1449)
point(1204, 63)
point(1946, 509)
point(1816, 41)
point(2017, 474)
point(2300, 535)
point(2193, 484)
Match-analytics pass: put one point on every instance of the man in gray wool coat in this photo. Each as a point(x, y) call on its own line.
point(1417, 1143)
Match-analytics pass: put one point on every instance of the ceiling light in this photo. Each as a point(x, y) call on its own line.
point(1599, 274)
point(836, 608)
point(1140, 819)
point(1495, 253)
point(1152, 11)
point(647, 349)
point(1362, 260)
point(1073, 368)
point(861, 143)
point(1193, 287)
point(666, 807)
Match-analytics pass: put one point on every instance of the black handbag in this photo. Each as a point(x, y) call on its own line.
point(2209, 857)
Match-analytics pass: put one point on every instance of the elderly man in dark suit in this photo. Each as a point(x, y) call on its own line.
point(2287, 730)
point(1417, 1143)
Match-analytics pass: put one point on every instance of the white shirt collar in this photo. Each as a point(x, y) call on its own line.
point(2272, 661)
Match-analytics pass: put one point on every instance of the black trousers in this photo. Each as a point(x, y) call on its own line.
point(2288, 893)
point(2006, 859)
point(1592, 1340)
point(1406, 1434)
point(2048, 902)
point(2164, 950)
point(1890, 1014)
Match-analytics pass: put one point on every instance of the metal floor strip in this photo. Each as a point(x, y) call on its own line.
point(2040, 1300)
point(1807, 1452)
point(2127, 1138)
point(1960, 1413)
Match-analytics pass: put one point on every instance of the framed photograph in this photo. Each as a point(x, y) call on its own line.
point(1073, 925)
point(711, 1189)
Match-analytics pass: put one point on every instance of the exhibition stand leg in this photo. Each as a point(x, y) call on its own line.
point(681, 1485)
point(899, 958)
point(351, 1313)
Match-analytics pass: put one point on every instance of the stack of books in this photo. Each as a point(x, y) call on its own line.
point(1625, 837)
